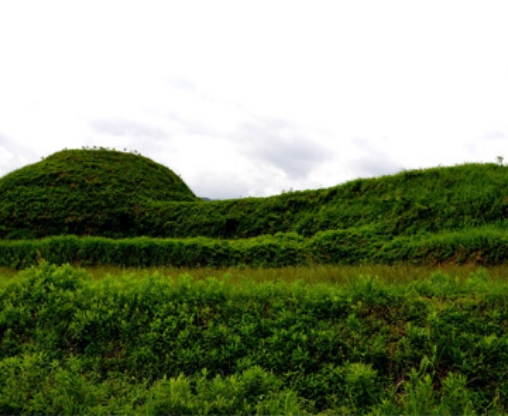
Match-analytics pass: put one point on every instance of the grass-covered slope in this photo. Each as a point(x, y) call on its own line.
point(114, 194)
point(83, 192)
point(411, 202)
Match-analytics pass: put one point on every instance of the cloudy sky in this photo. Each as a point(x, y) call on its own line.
point(250, 98)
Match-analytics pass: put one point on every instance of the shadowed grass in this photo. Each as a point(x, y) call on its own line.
point(7, 275)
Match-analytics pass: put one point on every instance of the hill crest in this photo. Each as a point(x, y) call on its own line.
point(118, 195)
point(84, 187)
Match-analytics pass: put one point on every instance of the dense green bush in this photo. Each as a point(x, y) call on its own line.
point(267, 251)
point(481, 246)
point(72, 345)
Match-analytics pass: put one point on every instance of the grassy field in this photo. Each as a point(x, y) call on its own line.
point(327, 340)
point(378, 296)
point(402, 274)
point(318, 274)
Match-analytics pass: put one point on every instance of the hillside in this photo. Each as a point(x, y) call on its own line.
point(83, 192)
point(114, 194)
point(408, 203)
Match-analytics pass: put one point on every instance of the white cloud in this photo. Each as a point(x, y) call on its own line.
point(264, 96)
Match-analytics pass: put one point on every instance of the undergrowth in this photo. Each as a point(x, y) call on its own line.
point(151, 344)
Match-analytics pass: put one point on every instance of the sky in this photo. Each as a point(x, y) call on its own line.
point(255, 98)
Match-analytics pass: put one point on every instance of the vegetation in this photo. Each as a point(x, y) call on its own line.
point(486, 246)
point(139, 197)
point(155, 345)
point(83, 192)
point(111, 199)
point(405, 204)
point(283, 331)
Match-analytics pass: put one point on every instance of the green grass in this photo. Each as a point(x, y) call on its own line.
point(399, 274)
point(409, 203)
point(481, 246)
point(7, 275)
point(83, 192)
point(363, 298)
point(115, 194)
point(98, 207)
point(167, 342)
point(326, 274)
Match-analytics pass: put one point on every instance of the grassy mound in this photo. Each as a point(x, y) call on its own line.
point(83, 192)
point(118, 195)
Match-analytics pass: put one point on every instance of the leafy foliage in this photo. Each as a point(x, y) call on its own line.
point(152, 345)
point(478, 246)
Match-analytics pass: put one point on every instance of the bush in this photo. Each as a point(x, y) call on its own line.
point(69, 344)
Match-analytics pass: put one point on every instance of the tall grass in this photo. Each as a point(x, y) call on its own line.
point(326, 274)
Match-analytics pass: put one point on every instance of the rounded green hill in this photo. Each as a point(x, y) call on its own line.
point(83, 192)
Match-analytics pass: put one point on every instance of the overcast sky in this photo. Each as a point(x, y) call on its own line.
point(249, 98)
